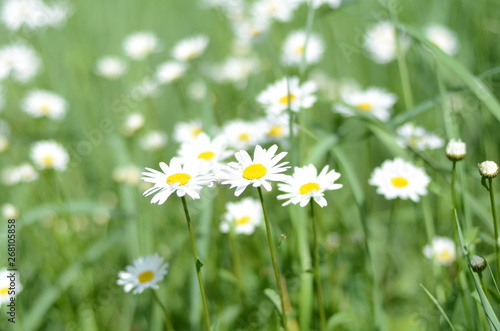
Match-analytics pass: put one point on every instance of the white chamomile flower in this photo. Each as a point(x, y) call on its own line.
point(40, 103)
point(147, 88)
point(146, 272)
point(183, 179)
point(276, 98)
point(190, 48)
point(9, 282)
point(133, 122)
point(9, 211)
point(416, 137)
point(443, 38)
point(235, 70)
point(279, 10)
point(456, 150)
point(170, 71)
point(295, 46)
point(374, 100)
point(264, 167)
point(204, 148)
point(33, 14)
point(140, 45)
point(153, 141)
point(21, 173)
point(242, 134)
point(251, 29)
point(127, 174)
point(110, 67)
point(380, 42)
point(20, 62)
point(306, 184)
point(318, 3)
point(243, 216)
point(441, 251)
point(48, 154)
point(488, 169)
point(399, 179)
point(276, 128)
point(187, 131)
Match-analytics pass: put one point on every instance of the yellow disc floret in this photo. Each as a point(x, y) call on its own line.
point(254, 171)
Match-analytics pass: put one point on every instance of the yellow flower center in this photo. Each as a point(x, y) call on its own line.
point(365, 106)
point(180, 178)
point(276, 131)
point(300, 50)
point(206, 155)
point(244, 137)
point(197, 131)
point(254, 171)
point(399, 182)
point(244, 220)
point(48, 161)
point(44, 109)
point(308, 188)
point(445, 257)
point(4, 291)
point(191, 55)
point(146, 276)
point(287, 99)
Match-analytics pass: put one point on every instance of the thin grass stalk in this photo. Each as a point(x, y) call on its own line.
point(168, 321)
point(237, 264)
point(495, 224)
point(317, 275)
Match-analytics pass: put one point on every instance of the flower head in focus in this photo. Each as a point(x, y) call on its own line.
point(488, 169)
point(456, 150)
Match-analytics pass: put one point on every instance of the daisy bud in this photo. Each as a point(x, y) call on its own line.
point(478, 263)
point(455, 150)
point(488, 169)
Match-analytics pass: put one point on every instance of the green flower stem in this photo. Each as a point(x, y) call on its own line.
point(453, 179)
point(317, 277)
point(309, 25)
point(237, 263)
point(403, 67)
point(495, 223)
point(168, 322)
point(277, 274)
point(197, 264)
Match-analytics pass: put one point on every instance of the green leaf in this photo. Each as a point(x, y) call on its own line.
point(275, 299)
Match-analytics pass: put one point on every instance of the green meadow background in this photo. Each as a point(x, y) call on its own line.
point(79, 228)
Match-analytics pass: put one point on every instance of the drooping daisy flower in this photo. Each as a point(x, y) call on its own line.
point(488, 169)
point(133, 122)
point(110, 67)
point(20, 62)
point(455, 150)
point(264, 167)
point(9, 282)
point(146, 272)
point(276, 97)
point(18, 174)
point(141, 44)
point(40, 103)
point(380, 42)
point(374, 100)
point(48, 154)
point(190, 48)
point(280, 10)
point(417, 137)
point(441, 251)
point(170, 71)
point(242, 134)
point(153, 140)
point(244, 216)
point(306, 184)
point(183, 179)
point(400, 179)
point(295, 46)
point(443, 38)
point(317, 3)
point(187, 131)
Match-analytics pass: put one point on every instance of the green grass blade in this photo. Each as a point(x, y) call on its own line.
point(438, 307)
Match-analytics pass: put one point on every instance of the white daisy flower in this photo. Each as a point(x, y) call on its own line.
point(306, 184)
point(133, 122)
point(244, 215)
point(276, 128)
point(33, 14)
point(170, 71)
point(318, 3)
point(443, 38)
point(40, 103)
point(441, 251)
point(153, 141)
point(187, 131)
point(417, 137)
point(190, 48)
point(197, 90)
point(48, 154)
point(380, 42)
point(400, 179)
point(18, 174)
point(9, 211)
point(139, 45)
point(110, 67)
point(234, 70)
point(127, 174)
point(183, 179)
point(9, 282)
point(20, 62)
point(147, 88)
point(276, 97)
point(488, 169)
point(242, 134)
point(280, 10)
point(146, 272)
point(294, 47)
point(204, 148)
point(251, 29)
point(456, 150)
point(264, 167)
point(374, 100)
